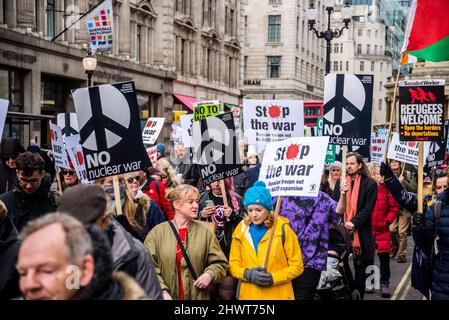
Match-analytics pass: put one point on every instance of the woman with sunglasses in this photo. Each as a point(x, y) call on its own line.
point(139, 213)
point(69, 179)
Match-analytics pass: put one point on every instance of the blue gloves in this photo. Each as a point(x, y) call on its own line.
point(259, 276)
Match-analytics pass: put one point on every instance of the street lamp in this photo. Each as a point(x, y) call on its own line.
point(89, 65)
point(329, 34)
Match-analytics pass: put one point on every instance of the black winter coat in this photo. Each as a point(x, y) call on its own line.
point(9, 249)
point(23, 207)
point(7, 178)
point(224, 235)
point(440, 275)
point(362, 221)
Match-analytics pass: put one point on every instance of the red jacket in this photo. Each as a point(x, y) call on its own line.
point(386, 209)
point(160, 198)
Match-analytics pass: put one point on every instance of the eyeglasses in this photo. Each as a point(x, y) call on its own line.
point(68, 172)
point(23, 182)
point(131, 179)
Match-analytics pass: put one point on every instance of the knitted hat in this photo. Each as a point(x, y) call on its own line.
point(258, 194)
point(160, 147)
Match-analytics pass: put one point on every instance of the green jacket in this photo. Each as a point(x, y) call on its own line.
point(203, 250)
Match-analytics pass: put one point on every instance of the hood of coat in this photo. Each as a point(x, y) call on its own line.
point(131, 289)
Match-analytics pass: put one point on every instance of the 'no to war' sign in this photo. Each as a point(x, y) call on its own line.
point(293, 167)
point(152, 130)
point(405, 151)
point(75, 151)
point(57, 143)
point(205, 109)
point(268, 121)
point(216, 148)
point(108, 117)
point(421, 104)
point(347, 111)
point(378, 146)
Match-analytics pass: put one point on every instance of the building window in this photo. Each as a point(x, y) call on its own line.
point(296, 67)
point(380, 105)
point(274, 28)
point(341, 47)
point(138, 42)
point(336, 46)
point(376, 33)
point(11, 88)
point(381, 66)
point(274, 1)
point(341, 65)
point(274, 66)
point(368, 49)
point(51, 18)
point(209, 12)
point(359, 48)
point(182, 6)
point(372, 65)
point(182, 55)
point(231, 22)
point(362, 65)
point(245, 67)
point(335, 65)
point(360, 32)
point(245, 30)
point(369, 32)
point(347, 65)
point(375, 49)
point(381, 85)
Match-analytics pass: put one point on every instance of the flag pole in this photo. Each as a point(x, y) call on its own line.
point(420, 175)
point(392, 111)
point(76, 21)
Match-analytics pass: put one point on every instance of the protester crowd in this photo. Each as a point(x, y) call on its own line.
point(174, 239)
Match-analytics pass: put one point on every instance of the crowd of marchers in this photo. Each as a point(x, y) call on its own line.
point(175, 239)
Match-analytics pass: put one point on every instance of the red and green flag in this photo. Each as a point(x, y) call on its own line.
point(427, 35)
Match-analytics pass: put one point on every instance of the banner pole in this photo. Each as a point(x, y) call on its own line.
point(118, 201)
point(270, 240)
point(343, 163)
point(392, 112)
point(420, 175)
point(58, 178)
point(223, 193)
point(403, 168)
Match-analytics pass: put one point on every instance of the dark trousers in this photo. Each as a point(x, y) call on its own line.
point(304, 286)
point(384, 261)
point(360, 275)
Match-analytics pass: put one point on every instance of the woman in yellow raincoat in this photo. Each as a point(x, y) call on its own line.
point(249, 246)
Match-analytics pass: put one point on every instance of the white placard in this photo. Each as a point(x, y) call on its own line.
point(378, 146)
point(176, 134)
point(152, 154)
point(186, 125)
point(293, 167)
point(405, 151)
point(268, 121)
point(152, 130)
point(57, 143)
point(75, 151)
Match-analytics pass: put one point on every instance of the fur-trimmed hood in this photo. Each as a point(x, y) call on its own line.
point(131, 289)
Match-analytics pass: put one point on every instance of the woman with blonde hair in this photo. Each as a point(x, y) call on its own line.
point(186, 253)
point(249, 247)
point(169, 174)
point(139, 214)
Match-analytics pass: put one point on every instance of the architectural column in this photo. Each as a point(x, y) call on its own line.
point(67, 21)
point(59, 20)
point(26, 14)
point(124, 36)
point(40, 16)
point(81, 31)
point(11, 13)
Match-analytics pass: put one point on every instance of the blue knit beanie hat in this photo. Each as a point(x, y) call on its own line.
point(258, 194)
point(160, 147)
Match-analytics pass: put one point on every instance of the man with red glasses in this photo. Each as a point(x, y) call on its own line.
point(31, 197)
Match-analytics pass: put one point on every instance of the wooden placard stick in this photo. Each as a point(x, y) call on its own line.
point(392, 112)
point(223, 193)
point(58, 178)
point(118, 201)
point(420, 175)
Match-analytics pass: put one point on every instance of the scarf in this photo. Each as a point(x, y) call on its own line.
point(351, 209)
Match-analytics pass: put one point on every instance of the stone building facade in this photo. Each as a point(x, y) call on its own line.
point(282, 59)
point(173, 50)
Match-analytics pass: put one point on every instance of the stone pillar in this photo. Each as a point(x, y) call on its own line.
point(59, 20)
point(11, 13)
point(81, 31)
point(2, 10)
point(40, 16)
point(124, 37)
point(26, 14)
